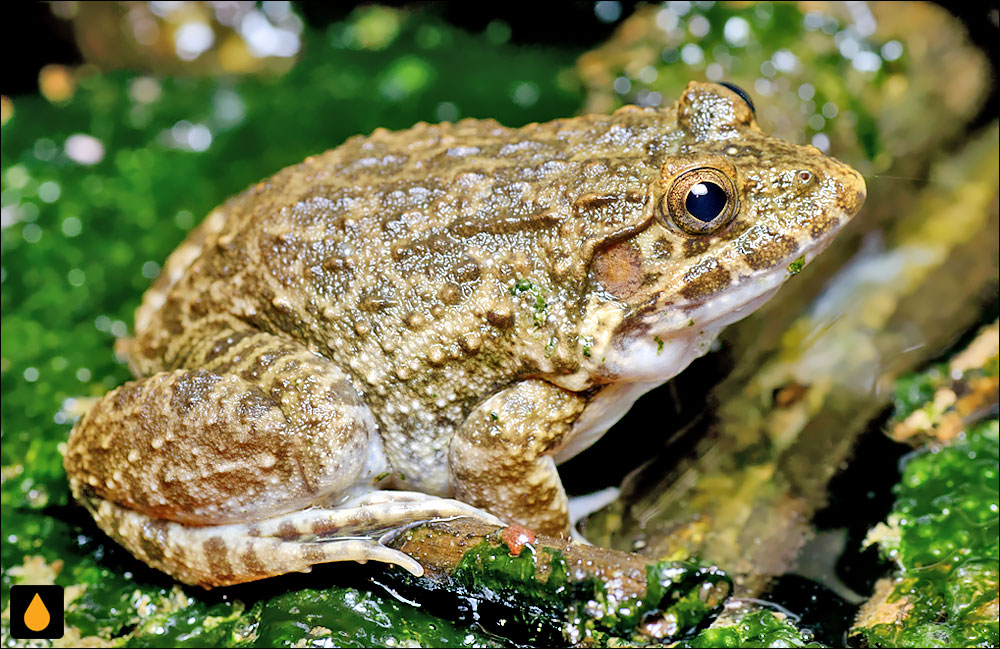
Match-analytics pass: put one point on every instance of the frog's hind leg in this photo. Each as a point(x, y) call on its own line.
point(222, 555)
point(249, 446)
point(250, 426)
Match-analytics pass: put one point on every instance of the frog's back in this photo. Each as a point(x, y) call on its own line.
point(417, 233)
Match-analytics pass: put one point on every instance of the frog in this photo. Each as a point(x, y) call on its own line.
point(423, 324)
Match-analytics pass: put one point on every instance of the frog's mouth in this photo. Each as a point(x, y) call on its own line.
point(658, 346)
point(753, 290)
point(646, 352)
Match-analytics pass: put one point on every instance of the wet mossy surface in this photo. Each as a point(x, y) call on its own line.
point(535, 595)
point(943, 533)
point(943, 536)
point(682, 596)
point(753, 627)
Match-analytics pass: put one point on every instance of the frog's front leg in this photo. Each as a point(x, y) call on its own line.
point(254, 459)
point(500, 459)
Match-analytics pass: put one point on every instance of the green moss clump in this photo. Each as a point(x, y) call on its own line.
point(754, 628)
point(943, 534)
point(541, 307)
point(915, 391)
point(536, 598)
point(545, 597)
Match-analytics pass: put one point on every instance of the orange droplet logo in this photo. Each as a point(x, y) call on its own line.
point(36, 617)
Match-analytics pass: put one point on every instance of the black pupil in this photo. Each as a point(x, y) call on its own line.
point(705, 201)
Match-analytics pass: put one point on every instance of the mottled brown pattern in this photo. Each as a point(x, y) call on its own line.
point(198, 448)
point(822, 227)
point(618, 269)
point(191, 389)
point(152, 542)
point(703, 284)
point(694, 247)
point(217, 556)
point(533, 417)
point(358, 314)
point(313, 554)
point(252, 563)
point(225, 343)
point(661, 249)
point(287, 531)
point(771, 253)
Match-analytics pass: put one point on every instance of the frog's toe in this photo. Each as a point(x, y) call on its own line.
point(360, 550)
point(580, 507)
point(371, 516)
point(383, 511)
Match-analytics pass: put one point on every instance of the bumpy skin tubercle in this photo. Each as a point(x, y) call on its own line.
point(450, 310)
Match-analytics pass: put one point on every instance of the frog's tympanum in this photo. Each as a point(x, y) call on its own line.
point(424, 323)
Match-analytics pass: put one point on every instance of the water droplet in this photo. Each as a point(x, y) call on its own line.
point(892, 50)
point(699, 26)
point(692, 54)
point(737, 31)
point(84, 149)
point(49, 191)
point(446, 111)
point(150, 269)
point(71, 226)
point(608, 11)
point(525, 94)
point(193, 38)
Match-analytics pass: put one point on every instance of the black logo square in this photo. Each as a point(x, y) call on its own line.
point(36, 612)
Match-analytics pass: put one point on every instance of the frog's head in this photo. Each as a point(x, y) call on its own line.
point(734, 213)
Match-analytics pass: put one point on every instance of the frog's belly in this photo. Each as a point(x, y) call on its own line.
point(650, 362)
point(655, 357)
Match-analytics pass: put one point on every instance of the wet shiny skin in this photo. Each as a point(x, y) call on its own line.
point(418, 324)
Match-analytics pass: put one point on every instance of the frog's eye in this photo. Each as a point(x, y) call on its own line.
point(700, 201)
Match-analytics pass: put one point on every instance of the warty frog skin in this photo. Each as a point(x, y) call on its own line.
point(424, 323)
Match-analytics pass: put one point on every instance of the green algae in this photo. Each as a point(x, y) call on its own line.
point(935, 402)
point(553, 601)
point(752, 628)
point(541, 307)
point(915, 391)
point(943, 534)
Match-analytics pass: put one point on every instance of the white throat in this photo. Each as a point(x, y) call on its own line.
point(662, 351)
